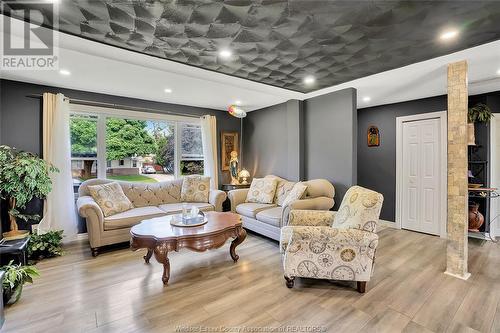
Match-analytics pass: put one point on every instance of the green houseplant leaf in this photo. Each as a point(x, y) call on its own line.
point(15, 277)
point(45, 245)
point(480, 113)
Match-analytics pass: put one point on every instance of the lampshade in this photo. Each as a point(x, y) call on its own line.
point(244, 173)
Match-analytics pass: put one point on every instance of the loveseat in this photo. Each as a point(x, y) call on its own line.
point(267, 219)
point(149, 200)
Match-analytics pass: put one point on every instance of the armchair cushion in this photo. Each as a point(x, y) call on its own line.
point(360, 209)
point(250, 209)
point(262, 190)
point(195, 189)
point(110, 198)
point(330, 253)
point(311, 218)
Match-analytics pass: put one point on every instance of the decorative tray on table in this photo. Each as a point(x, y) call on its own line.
point(179, 220)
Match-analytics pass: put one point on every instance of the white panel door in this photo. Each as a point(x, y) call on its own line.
point(421, 181)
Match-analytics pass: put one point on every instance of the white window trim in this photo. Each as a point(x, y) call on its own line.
point(104, 112)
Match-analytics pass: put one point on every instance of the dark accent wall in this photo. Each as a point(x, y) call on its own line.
point(312, 139)
point(20, 124)
point(272, 141)
point(330, 129)
point(377, 165)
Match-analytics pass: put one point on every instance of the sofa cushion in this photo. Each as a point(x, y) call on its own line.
point(282, 189)
point(298, 191)
point(176, 208)
point(195, 189)
point(152, 194)
point(131, 217)
point(270, 216)
point(110, 198)
point(262, 190)
point(250, 209)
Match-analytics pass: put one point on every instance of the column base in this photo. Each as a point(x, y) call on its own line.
point(464, 277)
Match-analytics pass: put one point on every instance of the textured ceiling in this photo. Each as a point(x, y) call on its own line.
point(279, 42)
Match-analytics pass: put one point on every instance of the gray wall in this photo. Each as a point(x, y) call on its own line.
point(313, 139)
point(330, 129)
point(20, 124)
point(272, 141)
point(377, 165)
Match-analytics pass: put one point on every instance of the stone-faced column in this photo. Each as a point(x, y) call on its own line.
point(456, 252)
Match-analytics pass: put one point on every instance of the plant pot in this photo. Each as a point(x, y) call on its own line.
point(11, 296)
point(471, 138)
point(476, 219)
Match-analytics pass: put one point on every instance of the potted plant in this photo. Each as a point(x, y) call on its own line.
point(479, 113)
point(23, 176)
point(45, 245)
point(15, 277)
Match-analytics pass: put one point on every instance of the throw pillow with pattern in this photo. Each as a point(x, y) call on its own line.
point(296, 193)
point(110, 198)
point(282, 189)
point(262, 190)
point(195, 189)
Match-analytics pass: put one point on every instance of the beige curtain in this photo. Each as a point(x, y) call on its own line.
point(59, 208)
point(209, 140)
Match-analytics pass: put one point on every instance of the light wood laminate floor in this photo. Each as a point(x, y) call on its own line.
point(117, 292)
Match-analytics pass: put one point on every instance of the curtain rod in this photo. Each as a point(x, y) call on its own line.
point(118, 106)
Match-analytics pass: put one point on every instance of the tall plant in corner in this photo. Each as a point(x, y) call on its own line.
point(479, 113)
point(23, 176)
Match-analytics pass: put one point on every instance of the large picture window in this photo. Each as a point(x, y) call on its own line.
point(133, 146)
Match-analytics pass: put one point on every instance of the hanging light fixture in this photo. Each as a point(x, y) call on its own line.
point(236, 111)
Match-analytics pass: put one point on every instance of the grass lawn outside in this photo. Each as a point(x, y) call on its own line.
point(133, 178)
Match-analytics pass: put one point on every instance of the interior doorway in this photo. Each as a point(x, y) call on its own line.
point(421, 165)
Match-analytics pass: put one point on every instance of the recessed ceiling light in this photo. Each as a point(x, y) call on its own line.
point(498, 71)
point(168, 90)
point(64, 72)
point(309, 80)
point(449, 34)
point(237, 102)
point(367, 99)
point(225, 54)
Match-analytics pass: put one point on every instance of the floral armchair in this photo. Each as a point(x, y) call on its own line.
point(333, 245)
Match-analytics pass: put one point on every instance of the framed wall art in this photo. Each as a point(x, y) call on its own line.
point(229, 142)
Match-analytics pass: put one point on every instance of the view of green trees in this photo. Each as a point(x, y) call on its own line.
point(127, 138)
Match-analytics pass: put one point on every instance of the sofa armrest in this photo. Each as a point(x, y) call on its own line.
point(216, 198)
point(94, 216)
point(300, 217)
point(318, 203)
point(237, 197)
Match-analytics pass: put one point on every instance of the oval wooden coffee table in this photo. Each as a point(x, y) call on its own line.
point(159, 237)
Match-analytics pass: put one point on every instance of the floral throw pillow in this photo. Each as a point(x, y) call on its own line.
point(296, 193)
point(110, 198)
point(282, 189)
point(262, 190)
point(195, 189)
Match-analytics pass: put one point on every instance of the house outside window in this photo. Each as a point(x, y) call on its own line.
point(133, 146)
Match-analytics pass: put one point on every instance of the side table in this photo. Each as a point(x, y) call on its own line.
point(14, 250)
point(226, 205)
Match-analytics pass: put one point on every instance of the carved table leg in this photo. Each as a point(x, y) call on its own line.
point(161, 253)
point(242, 234)
point(148, 256)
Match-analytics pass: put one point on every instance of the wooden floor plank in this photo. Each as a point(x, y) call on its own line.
point(118, 292)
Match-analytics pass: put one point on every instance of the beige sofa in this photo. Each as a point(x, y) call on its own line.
point(267, 219)
point(149, 200)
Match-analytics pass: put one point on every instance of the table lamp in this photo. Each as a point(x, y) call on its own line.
point(244, 174)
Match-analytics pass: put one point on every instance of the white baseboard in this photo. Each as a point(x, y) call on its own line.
point(388, 224)
point(465, 277)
